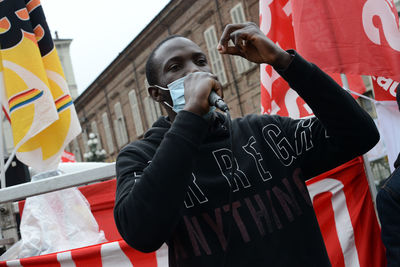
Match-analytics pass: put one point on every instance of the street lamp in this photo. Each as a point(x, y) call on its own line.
point(94, 154)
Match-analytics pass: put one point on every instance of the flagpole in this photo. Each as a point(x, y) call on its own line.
point(2, 168)
point(367, 167)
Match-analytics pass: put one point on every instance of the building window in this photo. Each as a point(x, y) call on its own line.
point(76, 150)
point(152, 109)
point(93, 125)
point(85, 140)
point(237, 15)
point(119, 126)
point(107, 131)
point(137, 120)
point(216, 63)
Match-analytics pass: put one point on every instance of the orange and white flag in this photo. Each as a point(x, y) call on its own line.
point(33, 88)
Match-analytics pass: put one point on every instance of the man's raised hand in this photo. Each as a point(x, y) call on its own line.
point(252, 44)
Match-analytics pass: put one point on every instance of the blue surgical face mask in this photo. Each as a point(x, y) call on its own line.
point(177, 91)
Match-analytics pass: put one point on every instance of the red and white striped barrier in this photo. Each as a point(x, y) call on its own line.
point(111, 254)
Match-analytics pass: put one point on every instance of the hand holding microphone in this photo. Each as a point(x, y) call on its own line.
point(203, 90)
point(215, 100)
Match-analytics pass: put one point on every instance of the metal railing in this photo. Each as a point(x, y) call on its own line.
point(22, 191)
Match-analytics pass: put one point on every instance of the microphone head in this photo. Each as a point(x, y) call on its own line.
point(215, 100)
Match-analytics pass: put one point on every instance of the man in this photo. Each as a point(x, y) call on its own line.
point(179, 184)
point(388, 206)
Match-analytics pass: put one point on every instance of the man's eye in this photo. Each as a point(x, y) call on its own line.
point(202, 61)
point(174, 67)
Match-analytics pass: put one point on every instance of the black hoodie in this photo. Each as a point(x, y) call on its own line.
point(396, 164)
point(174, 185)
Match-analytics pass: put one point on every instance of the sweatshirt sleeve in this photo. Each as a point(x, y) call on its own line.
point(150, 196)
point(342, 130)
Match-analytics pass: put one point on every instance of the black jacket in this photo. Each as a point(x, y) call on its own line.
point(396, 164)
point(174, 185)
point(388, 206)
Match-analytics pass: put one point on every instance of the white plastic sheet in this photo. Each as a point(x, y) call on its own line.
point(54, 222)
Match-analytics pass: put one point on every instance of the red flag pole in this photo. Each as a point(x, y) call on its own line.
point(367, 167)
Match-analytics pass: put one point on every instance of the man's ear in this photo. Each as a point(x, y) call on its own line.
point(155, 93)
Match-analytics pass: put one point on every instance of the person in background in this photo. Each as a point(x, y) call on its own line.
point(388, 206)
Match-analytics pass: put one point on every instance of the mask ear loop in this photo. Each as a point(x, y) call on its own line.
point(160, 87)
point(164, 89)
point(167, 104)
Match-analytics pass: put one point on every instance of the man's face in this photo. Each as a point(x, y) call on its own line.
point(177, 58)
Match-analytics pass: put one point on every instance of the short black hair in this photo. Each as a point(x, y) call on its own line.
point(151, 71)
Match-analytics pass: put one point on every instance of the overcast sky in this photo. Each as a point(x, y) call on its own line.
point(100, 30)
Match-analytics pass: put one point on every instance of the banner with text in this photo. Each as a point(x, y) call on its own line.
point(351, 37)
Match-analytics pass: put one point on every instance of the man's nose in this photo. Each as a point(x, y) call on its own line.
point(192, 67)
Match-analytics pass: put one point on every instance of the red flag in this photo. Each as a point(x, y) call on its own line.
point(276, 95)
point(345, 212)
point(67, 157)
point(384, 88)
point(116, 253)
point(352, 37)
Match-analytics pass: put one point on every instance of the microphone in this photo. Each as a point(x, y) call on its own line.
point(215, 100)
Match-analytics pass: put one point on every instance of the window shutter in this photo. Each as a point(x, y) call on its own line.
point(117, 133)
point(96, 132)
point(216, 63)
point(136, 113)
point(237, 15)
point(158, 109)
point(150, 110)
point(85, 140)
point(107, 130)
point(121, 127)
point(154, 107)
point(76, 150)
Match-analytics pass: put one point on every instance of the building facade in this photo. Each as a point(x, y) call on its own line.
point(117, 107)
point(62, 46)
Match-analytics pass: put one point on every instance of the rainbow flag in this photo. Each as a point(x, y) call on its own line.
point(33, 89)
